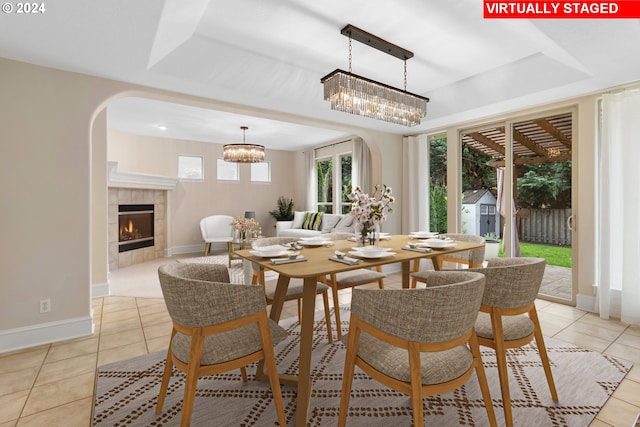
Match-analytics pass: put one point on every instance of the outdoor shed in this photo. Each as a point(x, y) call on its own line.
point(479, 213)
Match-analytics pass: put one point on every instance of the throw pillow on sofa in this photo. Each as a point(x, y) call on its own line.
point(312, 221)
point(298, 217)
point(329, 221)
point(346, 224)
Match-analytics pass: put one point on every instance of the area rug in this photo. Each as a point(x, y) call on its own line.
point(126, 391)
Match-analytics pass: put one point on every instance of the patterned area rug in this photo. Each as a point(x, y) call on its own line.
point(127, 391)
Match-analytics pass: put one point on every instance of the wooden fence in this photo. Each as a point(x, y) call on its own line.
point(548, 226)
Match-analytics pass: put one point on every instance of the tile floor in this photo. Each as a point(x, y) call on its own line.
point(53, 384)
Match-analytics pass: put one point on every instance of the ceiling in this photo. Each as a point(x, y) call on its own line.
point(264, 60)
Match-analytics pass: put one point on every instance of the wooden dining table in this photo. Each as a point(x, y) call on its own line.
point(317, 264)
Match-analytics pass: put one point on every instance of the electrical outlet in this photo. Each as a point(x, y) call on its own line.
point(45, 305)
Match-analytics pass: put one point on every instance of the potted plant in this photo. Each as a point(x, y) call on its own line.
point(284, 211)
point(492, 246)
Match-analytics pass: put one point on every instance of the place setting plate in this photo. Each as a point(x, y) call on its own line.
point(371, 252)
point(314, 242)
point(423, 234)
point(270, 253)
point(437, 244)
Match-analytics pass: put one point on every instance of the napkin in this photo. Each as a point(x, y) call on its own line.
point(287, 260)
point(345, 260)
point(423, 250)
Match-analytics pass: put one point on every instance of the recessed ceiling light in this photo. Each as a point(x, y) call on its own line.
point(161, 127)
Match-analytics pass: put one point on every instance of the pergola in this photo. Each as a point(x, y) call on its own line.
point(542, 140)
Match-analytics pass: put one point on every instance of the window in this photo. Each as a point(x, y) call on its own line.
point(333, 177)
point(345, 183)
point(227, 171)
point(325, 185)
point(190, 167)
point(261, 172)
point(484, 209)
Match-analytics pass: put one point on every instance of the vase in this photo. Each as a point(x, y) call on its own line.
point(367, 233)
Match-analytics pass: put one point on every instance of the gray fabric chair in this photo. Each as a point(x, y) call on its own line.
point(508, 316)
point(474, 258)
point(217, 327)
point(420, 342)
point(296, 286)
point(350, 279)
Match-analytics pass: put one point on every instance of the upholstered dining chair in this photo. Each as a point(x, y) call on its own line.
point(216, 229)
point(217, 327)
point(508, 316)
point(296, 286)
point(350, 279)
point(474, 258)
point(420, 342)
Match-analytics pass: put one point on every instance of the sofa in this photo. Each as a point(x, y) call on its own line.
point(311, 224)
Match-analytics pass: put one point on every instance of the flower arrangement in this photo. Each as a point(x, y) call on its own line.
point(369, 211)
point(243, 225)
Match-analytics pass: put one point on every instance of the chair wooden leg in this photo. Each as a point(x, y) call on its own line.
point(207, 247)
point(503, 373)
point(243, 374)
point(415, 373)
point(381, 281)
point(349, 369)
point(166, 375)
point(336, 305)
point(415, 269)
point(482, 379)
point(271, 368)
point(195, 355)
point(542, 349)
point(327, 315)
point(299, 310)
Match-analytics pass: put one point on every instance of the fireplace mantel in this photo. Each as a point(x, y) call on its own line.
point(138, 180)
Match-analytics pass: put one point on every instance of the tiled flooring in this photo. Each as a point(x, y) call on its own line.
point(53, 384)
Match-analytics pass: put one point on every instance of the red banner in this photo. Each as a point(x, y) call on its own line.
point(623, 9)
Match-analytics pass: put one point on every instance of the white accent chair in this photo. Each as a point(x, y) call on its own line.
point(216, 229)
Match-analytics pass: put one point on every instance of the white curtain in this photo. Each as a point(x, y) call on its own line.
point(415, 183)
point(310, 180)
point(618, 236)
point(502, 209)
point(361, 173)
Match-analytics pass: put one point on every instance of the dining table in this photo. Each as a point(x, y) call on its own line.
point(315, 264)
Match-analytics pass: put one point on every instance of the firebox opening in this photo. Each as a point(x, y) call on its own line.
point(135, 225)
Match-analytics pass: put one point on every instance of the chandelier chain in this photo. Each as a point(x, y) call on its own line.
point(405, 75)
point(350, 56)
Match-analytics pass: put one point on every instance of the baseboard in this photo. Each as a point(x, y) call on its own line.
point(99, 290)
point(191, 249)
point(45, 333)
point(586, 303)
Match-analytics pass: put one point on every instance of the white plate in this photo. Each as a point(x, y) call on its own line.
point(372, 255)
point(438, 244)
point(269, 253)
point(314, 242)
point(370, 249)
point(423, 234)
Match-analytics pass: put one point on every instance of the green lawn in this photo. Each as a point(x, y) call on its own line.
point(555, 255)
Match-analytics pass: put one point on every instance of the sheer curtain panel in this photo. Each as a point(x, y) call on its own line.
point(619, 208)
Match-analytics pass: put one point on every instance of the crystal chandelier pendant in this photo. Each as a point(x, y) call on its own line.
point(243, 153)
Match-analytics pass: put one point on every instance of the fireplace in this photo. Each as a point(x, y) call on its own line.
point(135, 227)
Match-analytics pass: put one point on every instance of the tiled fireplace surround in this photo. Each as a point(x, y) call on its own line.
point(123, 196)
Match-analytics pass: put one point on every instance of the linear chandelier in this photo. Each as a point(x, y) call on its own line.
point(243, 153)
point(358, 95)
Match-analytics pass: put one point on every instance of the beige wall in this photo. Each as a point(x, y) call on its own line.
point(191, 201)
point(54, 202)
